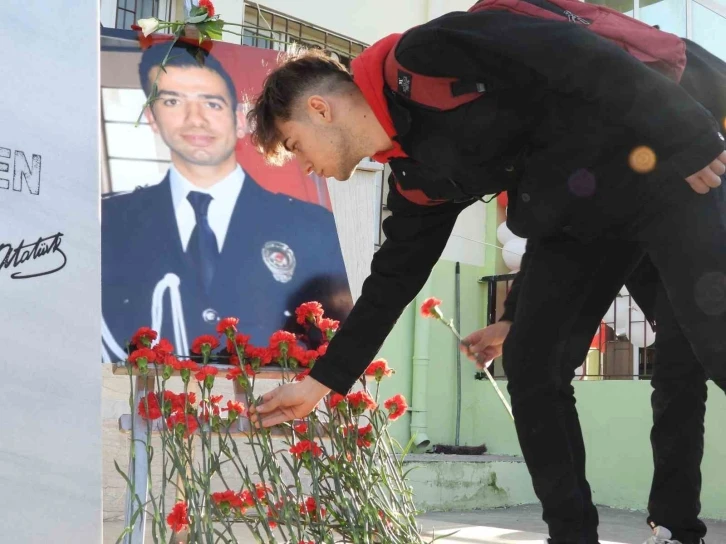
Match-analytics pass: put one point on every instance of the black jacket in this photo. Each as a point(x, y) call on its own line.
point(562, 101)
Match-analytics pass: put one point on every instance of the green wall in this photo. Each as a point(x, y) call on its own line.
point(616, 420)
point(398, 350)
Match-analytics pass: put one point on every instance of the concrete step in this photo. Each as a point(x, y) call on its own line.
point(444, 483)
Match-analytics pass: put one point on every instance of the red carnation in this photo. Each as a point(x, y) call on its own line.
point(360, 401)
point(310, 357)
point(163, 349)
point(306, 446)
point(235, 408)
point(335, 399)
point(246, 499)
point(430, 308)
point(154, 410)
point(258, 356)
point(210, 405)
point(227, 326)
point(178, 403)
point(379, 369)
point(205, 341)
point(262, 490)
point(226, 500)
point(206, 376)
point(322, 349)
point(328, 327)
point(297, 356)
point(136, 27)
point(143, 337)
point(280, 344)
point(207, 4)
point(301, 428)
point(301, 375)
point(364, 435)
point(142, 357)
point(178, 520)
point(241, 376)
point(240, 340)
point(396, 406)
point(182, 422)
point(310, 312)
point(188, 365)
point(310, 506)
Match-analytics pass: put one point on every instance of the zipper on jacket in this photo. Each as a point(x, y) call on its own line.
point(576, 18)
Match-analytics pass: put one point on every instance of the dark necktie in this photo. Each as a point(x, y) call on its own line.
point(203, 243)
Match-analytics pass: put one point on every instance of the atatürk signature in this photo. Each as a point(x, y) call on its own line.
point(13, 257)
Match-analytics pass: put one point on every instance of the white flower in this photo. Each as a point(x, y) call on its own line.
point(148, 26)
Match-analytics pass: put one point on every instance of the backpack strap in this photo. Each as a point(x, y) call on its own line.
point(438, 93)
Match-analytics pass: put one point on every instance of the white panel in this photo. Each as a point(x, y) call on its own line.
point(50, 430)
point(354, 209)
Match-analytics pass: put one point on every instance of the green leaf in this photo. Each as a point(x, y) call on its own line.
point(212, 29)
point(197, 18)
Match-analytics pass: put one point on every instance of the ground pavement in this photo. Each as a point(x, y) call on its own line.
point(516, 525)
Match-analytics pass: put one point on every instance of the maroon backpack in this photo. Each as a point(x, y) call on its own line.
point(660, 50)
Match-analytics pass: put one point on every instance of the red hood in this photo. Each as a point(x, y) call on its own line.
point(367, 71)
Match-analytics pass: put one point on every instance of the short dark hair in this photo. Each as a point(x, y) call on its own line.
point(182, 55)
point(299, 71)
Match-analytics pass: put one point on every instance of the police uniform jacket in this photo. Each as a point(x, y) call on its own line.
point(141, 246)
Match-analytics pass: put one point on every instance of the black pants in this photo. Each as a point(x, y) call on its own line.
point(567, 289)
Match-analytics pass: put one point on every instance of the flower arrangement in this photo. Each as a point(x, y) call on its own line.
point(203, 23)
point(333, 476)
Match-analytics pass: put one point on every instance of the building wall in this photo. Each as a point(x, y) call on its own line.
point(365, 21)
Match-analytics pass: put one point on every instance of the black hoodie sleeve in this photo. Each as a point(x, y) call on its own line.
point(415, 238)
point(568, 59)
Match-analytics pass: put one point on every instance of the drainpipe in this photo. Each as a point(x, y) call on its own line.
point(419, 378)
point(457, 324)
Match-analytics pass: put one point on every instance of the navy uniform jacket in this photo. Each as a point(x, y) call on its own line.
point(141, 245)
point(574, 103)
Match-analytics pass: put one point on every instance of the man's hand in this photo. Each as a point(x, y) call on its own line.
point(708, 178)
point(287, 402)
point(485, 345)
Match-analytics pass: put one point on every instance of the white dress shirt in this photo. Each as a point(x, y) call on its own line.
point(224, 195)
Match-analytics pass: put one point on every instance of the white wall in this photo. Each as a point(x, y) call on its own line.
point(466, 243)
point(354, 207)
point(363, 21)
point(108, 13)
point(50, 447)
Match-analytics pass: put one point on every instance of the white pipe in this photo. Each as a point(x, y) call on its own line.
point(420, 372)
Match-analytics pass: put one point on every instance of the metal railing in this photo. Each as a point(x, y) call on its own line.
point(612, 355)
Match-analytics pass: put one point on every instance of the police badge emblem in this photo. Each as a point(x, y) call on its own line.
point(280, 260)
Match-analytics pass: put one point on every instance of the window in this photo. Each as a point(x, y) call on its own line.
point(269, 30)
point(130, 11)
point(132, 155)
point(702, 21)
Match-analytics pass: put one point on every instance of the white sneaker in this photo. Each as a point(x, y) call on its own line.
point(661, 535)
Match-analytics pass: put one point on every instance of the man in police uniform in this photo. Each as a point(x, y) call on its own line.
point(208, 242)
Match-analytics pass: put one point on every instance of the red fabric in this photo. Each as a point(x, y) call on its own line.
point(417, 196)
point(663, 51)
point(367, 71)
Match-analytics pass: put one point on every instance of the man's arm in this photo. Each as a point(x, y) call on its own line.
point(415, 239)
point(567, 58)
